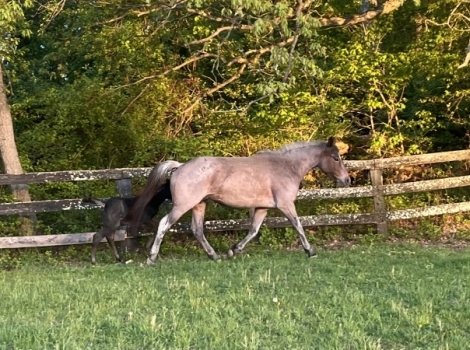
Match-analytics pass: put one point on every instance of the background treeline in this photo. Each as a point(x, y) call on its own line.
point(95, 85)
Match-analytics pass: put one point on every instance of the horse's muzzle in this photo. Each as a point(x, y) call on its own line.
point(346, 182)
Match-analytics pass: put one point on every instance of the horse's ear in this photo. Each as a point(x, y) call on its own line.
point(331, 141)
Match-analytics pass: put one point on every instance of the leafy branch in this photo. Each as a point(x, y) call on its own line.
point(244, 36)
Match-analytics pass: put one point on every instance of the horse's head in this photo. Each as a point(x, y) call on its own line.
point(331, 164)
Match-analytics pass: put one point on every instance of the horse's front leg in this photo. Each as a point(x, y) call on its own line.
point(291, 214)
point(257, 217)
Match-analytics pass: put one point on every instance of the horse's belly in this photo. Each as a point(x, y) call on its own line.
point(248, 199)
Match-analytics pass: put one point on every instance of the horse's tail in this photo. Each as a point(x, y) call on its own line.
point(157, 178)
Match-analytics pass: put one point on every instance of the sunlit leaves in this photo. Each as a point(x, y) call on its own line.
point(12, 25)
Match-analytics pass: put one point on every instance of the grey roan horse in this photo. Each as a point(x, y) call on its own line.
point(266, 180)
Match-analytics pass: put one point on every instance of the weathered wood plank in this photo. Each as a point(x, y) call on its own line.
point(184, 227)
point(53, 240)
point(390, 189)
point(330, 193)
point(325, 193)
point(125, 173)
point(233, 225)
point(326, 220)
point(427, 185)
point(46, 206)
point(78, 204)
point(359, 164)
point(278, 222)
point(74, 175)
point(406, 214)
point(394, 162)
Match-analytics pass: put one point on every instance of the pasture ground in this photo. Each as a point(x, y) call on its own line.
point(365, 297)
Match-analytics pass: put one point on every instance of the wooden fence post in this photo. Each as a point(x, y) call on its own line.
point(379, 201)
point(124, 187)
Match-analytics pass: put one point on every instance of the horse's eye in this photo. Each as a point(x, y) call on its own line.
point(336, 158)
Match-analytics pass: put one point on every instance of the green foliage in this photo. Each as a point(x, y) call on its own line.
point(429, 230)
point(13, 26)
point(9, 226)
point(278, 238)
point(102, 92)
point(93, 90)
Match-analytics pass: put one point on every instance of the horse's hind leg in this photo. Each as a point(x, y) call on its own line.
point(110, 239)
point(97, 237)
point(165, 223)
point(197, 226)
point(257, 217)
point(152, 239)
point(291, 214)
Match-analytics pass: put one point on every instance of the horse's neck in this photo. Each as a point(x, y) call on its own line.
point(303, 160)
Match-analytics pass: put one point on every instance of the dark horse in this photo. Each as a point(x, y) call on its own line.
point(266, 180)
point(116, 211)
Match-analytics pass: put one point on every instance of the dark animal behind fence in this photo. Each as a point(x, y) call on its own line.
point(116, 211)
point(263, 181)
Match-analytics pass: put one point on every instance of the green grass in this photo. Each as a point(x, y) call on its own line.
point(385, 297)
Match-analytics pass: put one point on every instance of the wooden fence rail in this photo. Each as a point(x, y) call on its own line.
point(377, 191)
point(329, 193)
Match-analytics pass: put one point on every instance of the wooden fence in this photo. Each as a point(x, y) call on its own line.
point(377, 191)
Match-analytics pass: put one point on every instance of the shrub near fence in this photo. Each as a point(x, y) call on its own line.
point(377, 191)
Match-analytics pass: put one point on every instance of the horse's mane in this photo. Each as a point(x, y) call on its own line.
point(297, 145)
point(292, 146)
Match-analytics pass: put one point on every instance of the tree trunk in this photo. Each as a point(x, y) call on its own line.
point(10, 158)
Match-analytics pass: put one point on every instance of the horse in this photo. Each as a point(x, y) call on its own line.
point(263, 181)
point(116, 212)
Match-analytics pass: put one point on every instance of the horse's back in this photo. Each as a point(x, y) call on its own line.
point(215, 170)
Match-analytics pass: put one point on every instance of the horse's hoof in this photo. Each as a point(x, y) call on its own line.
point(150, 261)
point(233, 251)
point(214, 257)
point(312, 254)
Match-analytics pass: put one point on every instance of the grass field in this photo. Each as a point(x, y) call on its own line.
point(384, 297)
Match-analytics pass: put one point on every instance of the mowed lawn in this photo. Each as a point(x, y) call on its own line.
point(385, 297)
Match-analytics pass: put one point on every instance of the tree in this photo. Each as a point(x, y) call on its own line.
point(12, 22)
point(10, 158)
point(269, 44)
point(117, 84)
